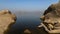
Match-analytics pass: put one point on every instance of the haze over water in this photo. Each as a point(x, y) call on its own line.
point(28, 12)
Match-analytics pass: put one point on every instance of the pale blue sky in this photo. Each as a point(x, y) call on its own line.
point(26, 5)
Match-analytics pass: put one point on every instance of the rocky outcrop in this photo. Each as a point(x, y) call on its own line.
point(51, 19)
point(7, 19)
point(52, 7)
point(27, 31)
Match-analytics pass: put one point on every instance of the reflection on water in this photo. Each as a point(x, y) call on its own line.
point(25, 21)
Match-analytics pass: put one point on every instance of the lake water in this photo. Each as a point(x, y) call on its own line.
point(28, 20)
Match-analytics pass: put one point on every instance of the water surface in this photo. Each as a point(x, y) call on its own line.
point(26, 20)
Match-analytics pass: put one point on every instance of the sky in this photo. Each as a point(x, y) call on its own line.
point(26, 5)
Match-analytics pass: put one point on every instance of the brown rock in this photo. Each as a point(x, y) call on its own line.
point(51, 19)
point(6, 19)
point(27, 31)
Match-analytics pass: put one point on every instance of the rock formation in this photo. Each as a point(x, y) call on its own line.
point(7, 19)
point(51, 19)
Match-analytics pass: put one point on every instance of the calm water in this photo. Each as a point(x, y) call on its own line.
point(28, 20)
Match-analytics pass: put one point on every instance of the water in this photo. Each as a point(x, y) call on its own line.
point(26, 20)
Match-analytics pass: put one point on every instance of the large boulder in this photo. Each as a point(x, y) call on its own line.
point(52, 7)
point(51, 19)
point(7, 19)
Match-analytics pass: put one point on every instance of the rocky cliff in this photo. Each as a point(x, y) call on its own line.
point(7, 19)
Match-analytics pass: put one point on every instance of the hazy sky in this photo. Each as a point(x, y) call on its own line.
point(26, 5)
